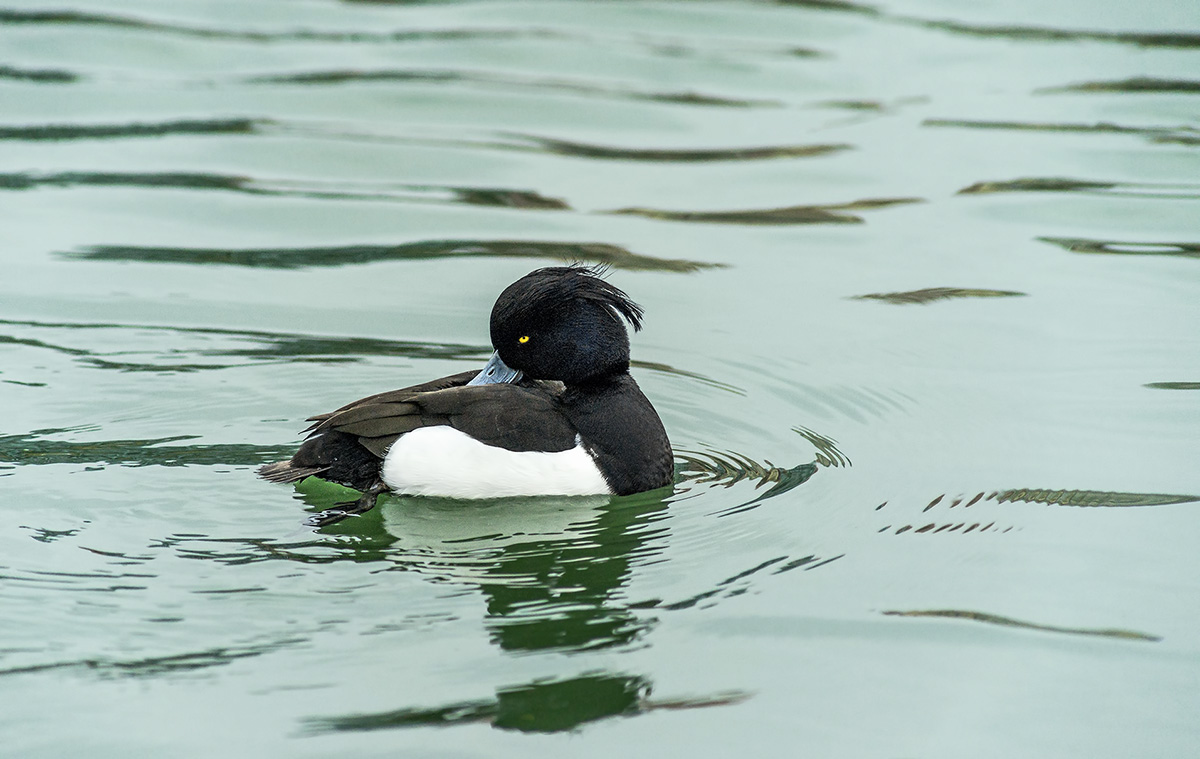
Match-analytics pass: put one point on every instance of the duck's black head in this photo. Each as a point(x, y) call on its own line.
point(564, 323)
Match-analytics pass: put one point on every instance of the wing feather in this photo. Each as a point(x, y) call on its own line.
point(518, 417)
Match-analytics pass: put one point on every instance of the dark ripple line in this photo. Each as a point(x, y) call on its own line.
point(111, 131)
point(996, 619)
point(272, 347)
point(814, 214)
point(1069, 498)
point(481, 196)
point(1133, 85)
point(731, 587)
point(1068, 184)
point(1117, 248)
point(294, 258)
point(41, 76)
point(157, 665)
point(696, 155)
point(932, 294)
point(1182, 135)
point(34, 449)
point(668, 369)
point(1052, 34)
point(1091, 498)
point(843, 6)
point(344, 76)
point(177, 180)
point(80, 18)
point(932, 527)
point(516, 141)
point(722, 587)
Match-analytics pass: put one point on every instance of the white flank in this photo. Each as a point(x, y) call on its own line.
point(442, 461)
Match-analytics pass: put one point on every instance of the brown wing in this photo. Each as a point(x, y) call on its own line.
point(454, 380)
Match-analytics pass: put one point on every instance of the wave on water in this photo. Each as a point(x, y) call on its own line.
point(302, 257)
point(812, 214)
point(1183, 135)
point(1125, 248)
point(931, 294)
point(494, 197)
point(999, 621)
point(1180, 191)
point(55, 132)
point(990, 519)
point(492, 81)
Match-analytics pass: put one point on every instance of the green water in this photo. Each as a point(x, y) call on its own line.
point(923, 323)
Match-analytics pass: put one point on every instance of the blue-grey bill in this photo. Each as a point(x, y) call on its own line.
point(496, 372)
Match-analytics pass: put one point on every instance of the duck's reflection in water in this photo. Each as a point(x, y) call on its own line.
point(539, 707)
point(549, 568)
point(552, 571)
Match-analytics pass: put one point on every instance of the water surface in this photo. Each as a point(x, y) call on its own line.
point(921, 285)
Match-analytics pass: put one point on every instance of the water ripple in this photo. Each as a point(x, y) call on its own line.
point(80, 18)
point(736, 585)
point(672, 46)
point(814, 214)
point(1090, 498)
point(41, 76)
point(511, 141)
point(36, 448)
point(295, 258)
point(996, 619)
point(1182, 135)
point(1173, 190)
point(1137, 84)
point(258, 346)
point(1052, 34)
point(1173, 385)
point(1113, 247)
point(495, 197)
point(828, 453)
point(943, 523)
point(670, 155)
point(729, 468)
point(931, 294)
point(726, 469)
point(136, 129)
point(492, 80)
point(843, 6)
point(157, 665)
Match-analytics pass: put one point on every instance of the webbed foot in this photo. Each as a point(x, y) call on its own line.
point(365, 503)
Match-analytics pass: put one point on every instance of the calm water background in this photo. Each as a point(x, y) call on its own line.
point(909, 522)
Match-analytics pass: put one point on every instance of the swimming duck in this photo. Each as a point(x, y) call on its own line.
point(554, 411)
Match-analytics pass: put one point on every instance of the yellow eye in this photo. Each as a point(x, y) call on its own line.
point(523, 339)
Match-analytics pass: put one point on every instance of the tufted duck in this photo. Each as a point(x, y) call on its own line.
point(554, 412)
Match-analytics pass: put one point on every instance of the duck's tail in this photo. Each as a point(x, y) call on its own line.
point(286, 471)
